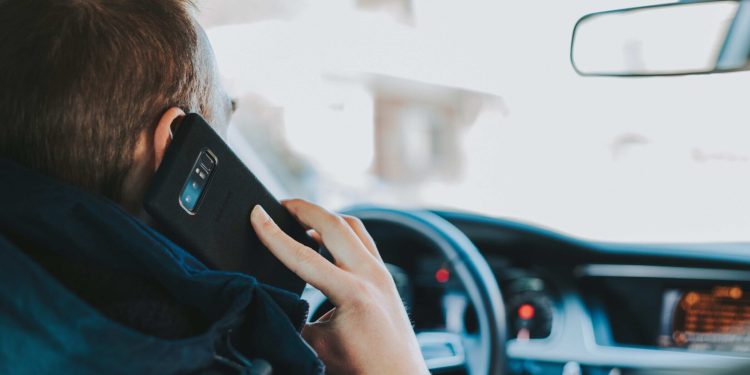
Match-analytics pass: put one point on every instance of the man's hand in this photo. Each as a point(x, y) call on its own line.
point(368, 332)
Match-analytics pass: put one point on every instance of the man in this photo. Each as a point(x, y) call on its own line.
point(89, 90)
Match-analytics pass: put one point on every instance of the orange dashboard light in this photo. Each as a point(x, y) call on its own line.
point(735, 292)
point(526, 311)
point(442, 275)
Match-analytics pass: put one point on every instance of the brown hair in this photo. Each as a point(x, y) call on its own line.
point(81, 79)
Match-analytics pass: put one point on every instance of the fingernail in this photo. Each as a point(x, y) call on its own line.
point(259, 213)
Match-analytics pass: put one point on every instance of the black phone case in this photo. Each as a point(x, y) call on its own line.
point(219, 232)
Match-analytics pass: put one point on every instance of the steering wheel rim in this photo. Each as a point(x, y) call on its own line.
point(472, 270)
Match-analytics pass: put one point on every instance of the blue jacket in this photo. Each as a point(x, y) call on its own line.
point(47, 328)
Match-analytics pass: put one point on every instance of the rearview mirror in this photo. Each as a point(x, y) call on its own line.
point(659, 40)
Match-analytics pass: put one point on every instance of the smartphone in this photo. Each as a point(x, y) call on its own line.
point(202, 195)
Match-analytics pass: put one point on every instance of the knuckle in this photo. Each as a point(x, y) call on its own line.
point(354, 222)
point(303, 255)
point(336, 221)
point(381, 276)
point(370, 290)
point(269, 226)
point(363, 294)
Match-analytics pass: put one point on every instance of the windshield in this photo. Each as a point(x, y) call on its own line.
point(473, 105)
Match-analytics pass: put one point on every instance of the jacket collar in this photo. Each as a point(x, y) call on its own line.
point(57, 327)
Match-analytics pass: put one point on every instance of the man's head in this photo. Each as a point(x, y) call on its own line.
point(89, 88)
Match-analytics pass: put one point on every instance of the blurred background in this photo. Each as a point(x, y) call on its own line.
point(474, 105)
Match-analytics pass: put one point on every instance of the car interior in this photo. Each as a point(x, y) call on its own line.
point(490, 291)
point(566, 305)
point(574, 225)
point(493, 291)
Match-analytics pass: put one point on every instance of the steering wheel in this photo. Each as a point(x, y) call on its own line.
point(452, 348)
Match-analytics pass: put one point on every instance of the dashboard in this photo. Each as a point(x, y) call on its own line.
point(577, 307)
point(697, 309)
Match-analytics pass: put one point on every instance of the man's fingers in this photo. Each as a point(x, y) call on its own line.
point(359, 229)
point(302, 260)
point(338, 237)
point(315, 236)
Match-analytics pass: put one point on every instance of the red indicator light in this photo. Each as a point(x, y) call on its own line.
point(442, 275)
point(526, 311)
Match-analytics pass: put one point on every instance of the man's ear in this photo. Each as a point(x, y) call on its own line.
point(163, 132)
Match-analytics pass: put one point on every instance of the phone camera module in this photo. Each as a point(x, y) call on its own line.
point(188, 200)
point(197, 180)
point(207, 162)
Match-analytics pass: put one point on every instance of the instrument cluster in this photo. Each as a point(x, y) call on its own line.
point(529, 299)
